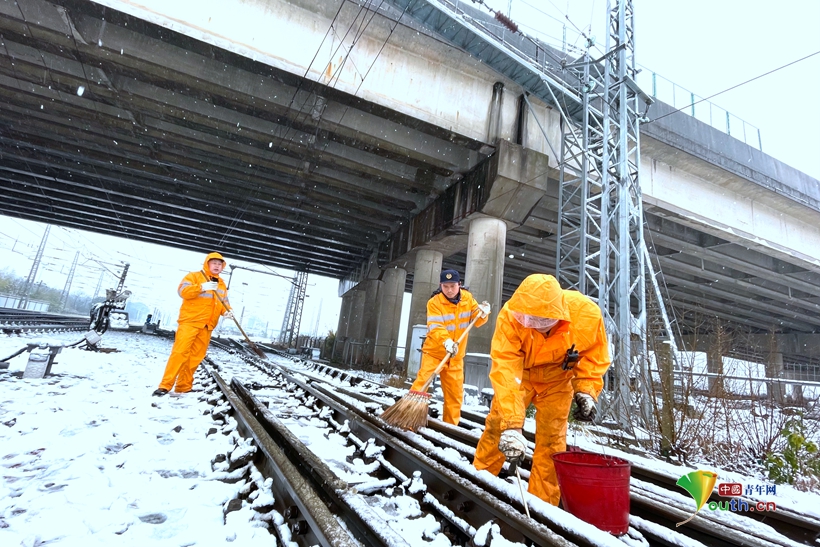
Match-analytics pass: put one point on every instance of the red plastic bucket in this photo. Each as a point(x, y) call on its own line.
point(595, 488)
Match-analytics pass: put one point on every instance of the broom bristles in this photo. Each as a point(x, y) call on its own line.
point(409, 412)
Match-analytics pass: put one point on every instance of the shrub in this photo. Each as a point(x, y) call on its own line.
point(799, 460)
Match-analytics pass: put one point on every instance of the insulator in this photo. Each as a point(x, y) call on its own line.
point(506, 21)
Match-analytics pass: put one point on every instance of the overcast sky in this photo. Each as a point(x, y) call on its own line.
point(702, 46)
point(708, 46)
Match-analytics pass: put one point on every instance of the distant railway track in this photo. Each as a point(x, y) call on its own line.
point(18, 321)
point(438, 457)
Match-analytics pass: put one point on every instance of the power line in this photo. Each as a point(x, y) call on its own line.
point(690, 105)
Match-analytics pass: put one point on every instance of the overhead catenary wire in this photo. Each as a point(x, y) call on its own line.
point(690, 105)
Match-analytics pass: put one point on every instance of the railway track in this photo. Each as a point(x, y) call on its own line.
point(18, 321)
point(374, 470)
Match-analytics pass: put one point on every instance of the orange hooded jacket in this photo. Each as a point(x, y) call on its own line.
point(202, 307)
point(524, 354)
point(447, 320)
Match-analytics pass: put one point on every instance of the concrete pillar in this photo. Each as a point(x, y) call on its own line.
point(714, 364)
point(425, 282)
point(370, 323)
point(663, 354)
point(355, 327)
point(797, 395)
point(342, 328)
point(774, 369)
point(484, 275)
point(387, 332)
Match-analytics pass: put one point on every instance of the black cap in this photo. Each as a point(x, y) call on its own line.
point(449, 276)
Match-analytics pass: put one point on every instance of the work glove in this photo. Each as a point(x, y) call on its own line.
point(513, 445)
point(209, 286)
point(484, 308)
point(450, 346)
point(229, 314)
point(584, 407)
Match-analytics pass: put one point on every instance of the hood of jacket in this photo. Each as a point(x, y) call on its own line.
point(208, 258)
point(540, 295)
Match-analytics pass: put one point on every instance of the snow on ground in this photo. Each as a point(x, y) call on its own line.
point(88, 457)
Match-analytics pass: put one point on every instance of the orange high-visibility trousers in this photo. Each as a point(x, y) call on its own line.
point(552, 404)
point(452, 384)
point(190, 346)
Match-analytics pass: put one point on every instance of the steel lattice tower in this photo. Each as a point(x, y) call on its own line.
point(32, 274)
point(69, 280)
point(292, 320)
point(600, 248)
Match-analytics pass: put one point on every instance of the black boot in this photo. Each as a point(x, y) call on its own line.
point(159, 392)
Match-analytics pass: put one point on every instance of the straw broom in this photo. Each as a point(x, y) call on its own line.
point(410, 412)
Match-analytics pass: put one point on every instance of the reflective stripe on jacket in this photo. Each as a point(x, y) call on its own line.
point(519, 353)
point(201, 307)
point(447, 320)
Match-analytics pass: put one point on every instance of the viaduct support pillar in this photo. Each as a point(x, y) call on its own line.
point(714, 365)
point(425, 282)
point(355, 327)
point(663, 354)
point(774, 369)
point(370, 323)
point(342, 328)
point(485, 272)
point(387, 332)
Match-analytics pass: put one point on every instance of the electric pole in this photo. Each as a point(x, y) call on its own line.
point(67, 288)
point(32, 274)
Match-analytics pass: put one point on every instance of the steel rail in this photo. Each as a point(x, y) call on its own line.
point(12, 321)
point(295, 497)
point(466, 494)
point(794, 526)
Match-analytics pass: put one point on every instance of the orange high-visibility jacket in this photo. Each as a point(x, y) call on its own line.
point(198, 307)
point(519, 353)
point(447, 320)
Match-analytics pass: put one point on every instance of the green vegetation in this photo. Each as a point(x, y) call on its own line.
point(799, 459)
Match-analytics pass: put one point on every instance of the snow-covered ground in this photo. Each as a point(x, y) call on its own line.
point(89, 457)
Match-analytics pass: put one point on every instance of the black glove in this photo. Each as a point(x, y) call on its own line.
point(584, 407)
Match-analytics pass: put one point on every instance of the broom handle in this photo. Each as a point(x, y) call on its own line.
point(235, 320)
point(440, 366)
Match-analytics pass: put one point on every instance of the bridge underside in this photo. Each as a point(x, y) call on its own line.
point(115, 125)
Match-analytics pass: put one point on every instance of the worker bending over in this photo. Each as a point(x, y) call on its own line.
point(549, 345)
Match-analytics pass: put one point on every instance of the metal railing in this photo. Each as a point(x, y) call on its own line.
point(706, 111)
point(663, 89)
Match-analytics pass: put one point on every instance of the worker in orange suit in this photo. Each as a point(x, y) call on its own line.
point(449, 311)
point(549, 347)
point(204, 300)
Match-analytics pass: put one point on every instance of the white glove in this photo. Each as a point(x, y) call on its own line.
point(450, 346)
point(513, 445)
point(209, 286)
point(484, 308)
point(229, 314)
point(584, 407)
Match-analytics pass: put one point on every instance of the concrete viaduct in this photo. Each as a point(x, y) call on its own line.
point(357, 140)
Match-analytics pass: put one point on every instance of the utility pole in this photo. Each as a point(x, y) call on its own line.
point(99, 284)
point(32, 274)
point(318, 316)
point(67, 288)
